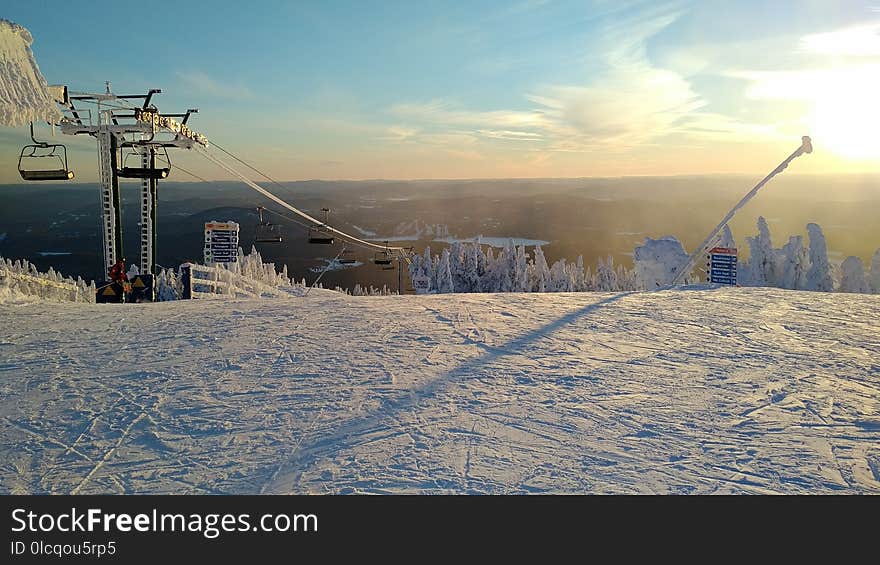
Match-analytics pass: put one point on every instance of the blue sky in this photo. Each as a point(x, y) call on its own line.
point(538, 88)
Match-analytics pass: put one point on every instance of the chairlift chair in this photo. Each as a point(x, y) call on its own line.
point(43, 150)
point(383, 258)
point(321, 234)
point(267, 232)
point(140, 172)
point(343, 260)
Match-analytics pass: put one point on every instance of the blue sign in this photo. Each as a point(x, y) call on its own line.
point(722, 265)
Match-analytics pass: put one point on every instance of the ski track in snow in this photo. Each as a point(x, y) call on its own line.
point(687, 391)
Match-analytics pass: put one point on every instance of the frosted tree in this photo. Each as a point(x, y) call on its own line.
point(606, 277)
point(507, 268)
point(23, 278)
point(579, 281)
point(796, 263)
point(474, 267)
point(558, 277)
point(626, 278)
point(502, 271)
point(764, 263)
point(427, 268)
point(490, 281)
point(542, 271)
point(444, 274)
point(819, 275)
point(521, 281)
point(589, 280)
point(657, 262)
point(726, 238)
point(458, 267)
point(853, 276)
point(874, 276)
point(416, 267)
point(168, 287)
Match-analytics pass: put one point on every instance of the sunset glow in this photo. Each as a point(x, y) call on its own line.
point(528, 89)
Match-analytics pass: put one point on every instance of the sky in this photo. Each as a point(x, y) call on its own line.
point(482, 89)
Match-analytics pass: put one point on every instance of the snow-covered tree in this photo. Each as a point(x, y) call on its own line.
point(474, 267)
point(541, 271)
point(21, 278)
point(795, 264)
point(874, 276)
point(521, 281)
point(819, 275)
point(764, 263)
point(658, 262)
point(444, 274)
point(853, 276)
point(606, 276)
point(168, 286)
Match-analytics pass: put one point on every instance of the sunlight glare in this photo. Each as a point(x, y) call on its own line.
point(846, 115)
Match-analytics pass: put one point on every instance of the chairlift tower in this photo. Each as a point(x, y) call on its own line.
point(119, 126)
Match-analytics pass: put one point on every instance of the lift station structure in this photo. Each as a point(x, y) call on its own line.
point(132, 142)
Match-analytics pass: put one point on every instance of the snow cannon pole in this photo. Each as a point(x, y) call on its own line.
point(806, 147)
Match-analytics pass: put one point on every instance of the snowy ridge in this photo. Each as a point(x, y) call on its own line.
point(21, 281)
point(684, 391)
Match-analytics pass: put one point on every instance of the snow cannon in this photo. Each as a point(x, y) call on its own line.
point(807, 146)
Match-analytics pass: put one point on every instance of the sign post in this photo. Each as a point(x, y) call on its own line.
point(722, 265)
point(421, 283)
point(221, 242)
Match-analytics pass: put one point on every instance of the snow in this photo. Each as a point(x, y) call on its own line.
point(819, 275)
point(874, 276)
point(24, 94)
point(764, 264)
point(658, 261)
point(696, 390)
point(20, 280)
point(853, 276)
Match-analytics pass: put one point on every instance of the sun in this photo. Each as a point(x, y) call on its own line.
point(846, 116)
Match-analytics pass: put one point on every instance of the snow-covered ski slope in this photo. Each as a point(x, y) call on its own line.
point(699, 390)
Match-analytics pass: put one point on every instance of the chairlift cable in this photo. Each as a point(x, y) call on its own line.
point(335, 259)
point(193, 175)
point(288, 218)
point(402, 251)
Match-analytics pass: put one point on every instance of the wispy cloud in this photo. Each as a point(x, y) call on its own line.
point(443, 112)
point(510, 135)
point(201, 83)
point(628, 103)
point(627, 106)
point(857, 41)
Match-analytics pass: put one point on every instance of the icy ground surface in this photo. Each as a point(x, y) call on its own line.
point(689, 391)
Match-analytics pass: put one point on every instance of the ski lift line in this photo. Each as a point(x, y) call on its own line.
point(249, 166)
point(193, 175)
point(806, 147)
point(288, 218)
point(350, 238)
point(335, 259)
